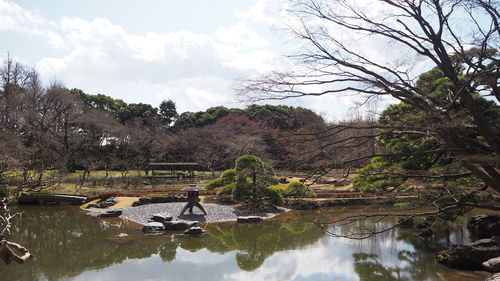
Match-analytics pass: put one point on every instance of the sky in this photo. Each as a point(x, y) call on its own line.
point(191, 51)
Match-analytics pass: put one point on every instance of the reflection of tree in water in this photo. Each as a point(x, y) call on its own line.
point(66, 243)
point(256, 242)
point(369, 269)
point(168, 250)
point(415, 262)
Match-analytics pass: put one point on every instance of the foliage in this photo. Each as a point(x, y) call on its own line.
point(226, 189)
point(298, 189)
point(275, 116)
point(168, 112)
point(243, 191)
point(101, 102)
point(4, 192)
point(228, 176)
point(409, 153)
point(251, 167)
point(279, 189)
point(138, 112)
point(249, 181)
point(217, 182)
point(272, 193)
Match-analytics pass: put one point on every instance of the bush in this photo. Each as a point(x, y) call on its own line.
point(228, 176)
point(374, 183)
point(226, 189)
point(214, 184)
point(298, 189)
point(4, 192)
point(274, 194)
point(242, 191)
point(280, 189)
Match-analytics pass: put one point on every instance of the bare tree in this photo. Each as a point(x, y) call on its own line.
point(9, 251)
point(460, 38)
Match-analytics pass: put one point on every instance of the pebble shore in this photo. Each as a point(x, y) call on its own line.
point(215, 213)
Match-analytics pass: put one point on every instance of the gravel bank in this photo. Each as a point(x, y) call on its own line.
point(215, 213)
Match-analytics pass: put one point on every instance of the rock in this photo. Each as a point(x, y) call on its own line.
point(179, 225)
point(109, 214)
point(492, 265)
point(161, 217)
point(471, 255)
point(283, 180)
point(103, 203)
point(249, 219)
point(156, 200)
point(194, 231)
point(301, 205)
point(164, 199)
point(141, 201)
point(268, 208)
point(494, 277)
point(484, 226)
point(153, 227)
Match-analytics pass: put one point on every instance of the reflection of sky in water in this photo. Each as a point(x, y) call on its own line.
point(327, 259)
point(291, 249)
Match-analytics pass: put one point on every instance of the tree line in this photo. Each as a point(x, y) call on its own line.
point(55, 128)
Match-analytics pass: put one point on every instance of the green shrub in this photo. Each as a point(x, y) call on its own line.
point(374, 183)
point(281, 189)
point(251, 167)
point(214, 184)
point(274, 194)
point(4, 192)
point(226, 189)
point(228, 176)
point(298, 189)
point(242, 191)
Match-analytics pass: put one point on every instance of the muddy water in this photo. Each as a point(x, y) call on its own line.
point(67, 245)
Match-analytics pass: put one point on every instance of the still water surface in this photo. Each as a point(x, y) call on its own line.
point(67, 245)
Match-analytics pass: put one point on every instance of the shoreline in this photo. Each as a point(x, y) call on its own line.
point(215, 213)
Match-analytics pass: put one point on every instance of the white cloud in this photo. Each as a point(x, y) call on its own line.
point(196, 94)
point(240, 34)
point(303, 264)
point(14, 17)
point(196, 69)
point(268, 11)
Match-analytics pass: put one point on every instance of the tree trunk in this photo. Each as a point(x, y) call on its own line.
point(10, 251)
point(486, 173)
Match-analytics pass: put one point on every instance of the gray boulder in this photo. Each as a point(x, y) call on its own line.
point(492, 265)
point(179, 225)
point(161, 217)
point(484, 226)
point(153, 227)
point(103, 203)
point(471, 255)
point(249, 219)
point(109, 214)
point(194, 231)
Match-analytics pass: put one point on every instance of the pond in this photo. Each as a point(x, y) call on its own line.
point(68, 245)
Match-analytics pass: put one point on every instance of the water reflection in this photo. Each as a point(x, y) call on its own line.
point(68, 245)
